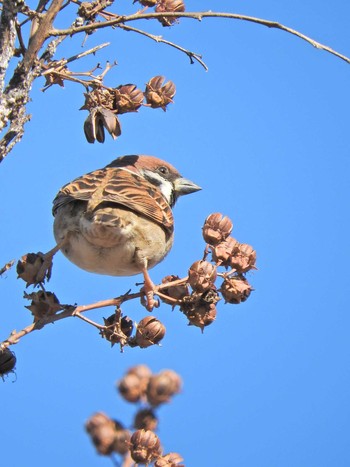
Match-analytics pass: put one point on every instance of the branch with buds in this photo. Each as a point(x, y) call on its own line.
point(196, 295)
point(143, 446)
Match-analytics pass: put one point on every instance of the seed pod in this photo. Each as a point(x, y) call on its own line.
point(202, 275)
point(149, 331)
point(29, 269)
point(43, 304)
point(177, 292)
point(143, 373)
point(127, 98)
point(145, 419)
point(130, 388)
point(102, 431)
point(169, 5)
point(147, 2)
point(216, 228)
point(162, 387)
point(157, 95)
point(121, 440)
point(223, 251)
point(243, 258)
point(101, 118)
point(145, 446)
point(172, 459)
point(7, 362)
point(235, 289)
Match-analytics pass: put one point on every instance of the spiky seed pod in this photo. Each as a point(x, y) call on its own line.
point(235, 289)
point(99, 97)
point(202, 275)
point(126, 325)
point(43, 304)
point(29, 269)
point(127, 98)
point(201, 315)
point(223, 251)
point(243, 258)
point(145, 446)
point(162, 387)
point(102, 431)
point(145, 419)
point(143, 373)
point(177, 6)
point(117, 330)
point(173, 459)
point(177, 292)
point(149, 331)
point(130, 388)
point(7, 362)
point(157, 95)
point(216, 228)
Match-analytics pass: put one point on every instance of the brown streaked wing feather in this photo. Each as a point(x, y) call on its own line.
point(119, 186)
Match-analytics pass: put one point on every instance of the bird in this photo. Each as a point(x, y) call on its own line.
point(118, 220)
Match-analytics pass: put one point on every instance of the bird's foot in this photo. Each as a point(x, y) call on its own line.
point(149, 289)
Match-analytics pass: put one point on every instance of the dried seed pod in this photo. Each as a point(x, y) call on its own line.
point(202, 315)
point(131, 388)
point(7, 362)
point(243, 258)
point(99, 97)
point(143, 373)
point(173, 459)
point(145, 446)
point(177, 292)
point(235, 289)
point(126, 325)
point(216, 228)
point(102, 431)
point(99, 119)
point(149, 331)
point(145, 419)
point(162, 387)
point(157, 95)
point(202, 275)
point(43, 304)
point(30, 269)
point(223, 251)
point(117, 329)
point(168, 6)
point(121, 440)
point(127, 98)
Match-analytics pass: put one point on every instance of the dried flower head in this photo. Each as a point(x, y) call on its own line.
point(117, 329)
point(158, 95)
point(99, 119)
point(7, 362)
point(235, 289)
point(176, 292)
point(177, 6)
point(43, 304)
point(149, 331)
point(216, 228)
point(202, 275)
point(104, 433)
point(243, 258)
point(30, 268)
point(145, 419)
point(145, 446)
point(99, 97)
point(127, 98)
point(121, 439)
point(223, 251)
point(200, 308)
point(162, 387)
point(173, 459)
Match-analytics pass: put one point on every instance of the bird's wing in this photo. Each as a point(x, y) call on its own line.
point(121, 187)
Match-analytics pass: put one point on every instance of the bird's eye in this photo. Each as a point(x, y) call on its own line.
point(163, 170)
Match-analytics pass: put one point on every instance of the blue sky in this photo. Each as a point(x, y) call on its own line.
point(265, 133)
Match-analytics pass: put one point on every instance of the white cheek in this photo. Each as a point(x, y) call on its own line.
point(166, 188)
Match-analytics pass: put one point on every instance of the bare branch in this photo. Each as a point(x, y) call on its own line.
point(198, 16)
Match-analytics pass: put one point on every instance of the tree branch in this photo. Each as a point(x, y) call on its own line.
point(198, 16)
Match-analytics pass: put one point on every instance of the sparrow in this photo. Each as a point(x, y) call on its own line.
point(118, 220)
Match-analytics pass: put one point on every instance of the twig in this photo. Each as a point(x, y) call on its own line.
point(191, 55)
point(198, 16)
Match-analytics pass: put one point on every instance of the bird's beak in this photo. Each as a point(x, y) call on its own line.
point(183, 186)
